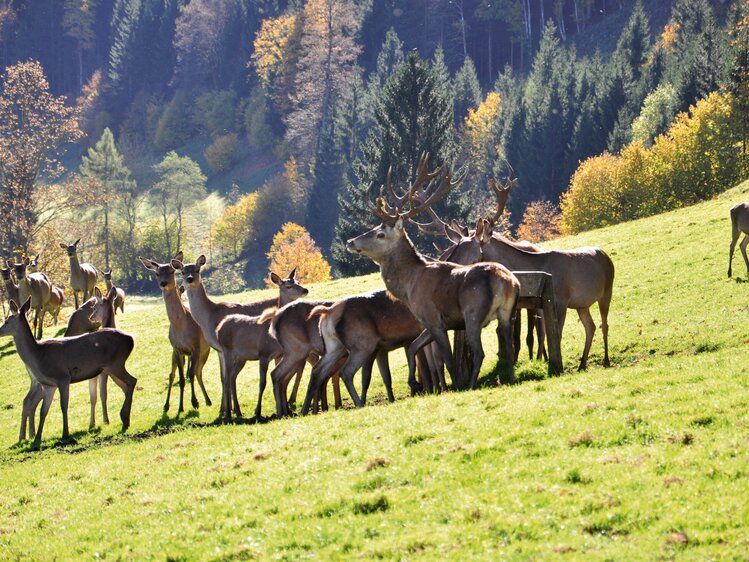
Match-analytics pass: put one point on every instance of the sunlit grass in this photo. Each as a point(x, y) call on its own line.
point(643, 461)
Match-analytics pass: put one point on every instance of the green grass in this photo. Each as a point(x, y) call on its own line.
point(646, 460)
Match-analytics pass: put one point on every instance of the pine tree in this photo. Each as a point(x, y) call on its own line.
point(738, 81)
point(466, 90)
point(104, 165)
point(413, 116)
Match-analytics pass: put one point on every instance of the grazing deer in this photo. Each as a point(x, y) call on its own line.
point(82, 275)
point(119, 301)
point(38, 288)
point(56, 363)
point(97, 312)
point(441, 295)
point(355, 330)
point(581, 277)
point(185, 335)
point(208, 314)
point(739, 225)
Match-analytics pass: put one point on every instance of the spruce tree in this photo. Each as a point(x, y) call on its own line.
point(413, 116)
point(466, 90)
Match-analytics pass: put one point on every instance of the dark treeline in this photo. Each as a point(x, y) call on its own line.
point(309, 102)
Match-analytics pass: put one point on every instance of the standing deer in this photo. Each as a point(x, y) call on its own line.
point(11, 287)
point(441, 295)
point(208, 314)
point(82, 275)
point(355, 330)
point(185, 335)
point(119, 301)
point(38, 288)
point(56, 363)
point(581, 277)
point(739, 225)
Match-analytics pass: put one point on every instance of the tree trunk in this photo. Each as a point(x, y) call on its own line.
point(106, 235)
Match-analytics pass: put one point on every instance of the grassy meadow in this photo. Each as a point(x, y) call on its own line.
point(646, 460)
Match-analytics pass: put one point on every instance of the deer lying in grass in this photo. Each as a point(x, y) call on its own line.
point(185, 335)
point(56, 363)
point(119, 301)
point(441, 295)
point(581, 277)
point(739, 225)
point(208, 314)
point(38, 288)
point(82, 275)
point(355, 330)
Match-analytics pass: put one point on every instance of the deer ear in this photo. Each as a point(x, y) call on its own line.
point(452, 234)
point(200, 262)
point(63, 246)
point(13, 306)
point(25, 307)
point(112, 294)
point(77, 242)
point(97, 293)
point(398, 224)
point(176, 264)
point(275, 278)
point(26, 260)
point(148, 264)
point(292, 275)
point(178, 256)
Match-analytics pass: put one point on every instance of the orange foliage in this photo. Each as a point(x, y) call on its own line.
point(293, 247)
point(541, 221)
point(270, 46)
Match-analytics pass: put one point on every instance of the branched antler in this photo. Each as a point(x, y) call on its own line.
point(501, 193)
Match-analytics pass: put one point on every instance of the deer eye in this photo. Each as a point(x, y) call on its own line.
point(381, 234)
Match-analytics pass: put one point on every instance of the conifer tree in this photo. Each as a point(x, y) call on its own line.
point(104, 165)
point(466, 90)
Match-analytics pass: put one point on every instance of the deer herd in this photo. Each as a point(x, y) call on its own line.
point(471, 285)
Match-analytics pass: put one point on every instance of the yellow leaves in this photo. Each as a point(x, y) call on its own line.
point(233, 229)
point(480, 126)
point(541, 221)
point(293, 247)
point(669, 36)
point(270, 45)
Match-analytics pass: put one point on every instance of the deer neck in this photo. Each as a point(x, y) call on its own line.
point(75, 265)
point(400, 268)
point(109, 319)
point(26, 344)
point(201, 307)
point(175, 308)
point(108, 283)
point(12, 290)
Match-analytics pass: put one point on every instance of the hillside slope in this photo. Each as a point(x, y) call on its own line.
point(644, 460)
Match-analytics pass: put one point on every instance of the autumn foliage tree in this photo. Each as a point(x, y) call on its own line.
point(33, 125)
point(541, 221)
point(293, 247)
point(233, 229)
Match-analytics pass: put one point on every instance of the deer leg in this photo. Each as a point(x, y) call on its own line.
point(75, 297)
point(201, 359)
point(421, 340)
point(541, 335)
point(92, 389)
point(103, 379)
point(48, 396)
point(295, 388)
point(529, 340)
point(64, 387)
point(263, 372)
point(383, 364)
point(30, 402)
point(171, 379)
point(473, 335)
point(225, 387)
point(516, 334)
point(233, 381)
point(179, 362)
point(42, 312)
point(590, 329)
point(443, 344)
point(603, 308)
point(127, 383)
point(287, 366)
point(743, 246)
point(320, 374)
point(191, 363)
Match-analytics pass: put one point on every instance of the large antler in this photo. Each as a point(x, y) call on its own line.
point(501, 193)
point(427, 189)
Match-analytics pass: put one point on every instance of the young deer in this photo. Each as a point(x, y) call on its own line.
point(208, 314)
point(56, 363)
point(356, 330)
point(82, 275)
point(441, 295)
point(739, 225)
point(38, 288)
point(185, 335)
point(97, 312)
point(119, 301)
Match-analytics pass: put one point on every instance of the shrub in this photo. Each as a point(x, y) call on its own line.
point(223, 152)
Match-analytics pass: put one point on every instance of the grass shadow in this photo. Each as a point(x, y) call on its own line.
point(740, 280)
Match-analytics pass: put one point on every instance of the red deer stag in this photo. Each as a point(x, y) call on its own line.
point(739, 225)
point(209, 314)
point(581, 277)
point(119, 302)
point(356, 330)
point(82, 275)
point(185, 335)
point(56, 363)
point(441, 295)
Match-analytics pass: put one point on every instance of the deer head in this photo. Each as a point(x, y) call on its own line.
point(164, 271)
point(426, 190)
point(13, 321)
point(190, 272)
point(72, 249)
point(289, 287)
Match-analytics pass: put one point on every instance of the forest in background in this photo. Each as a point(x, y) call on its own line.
point(250, 130)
